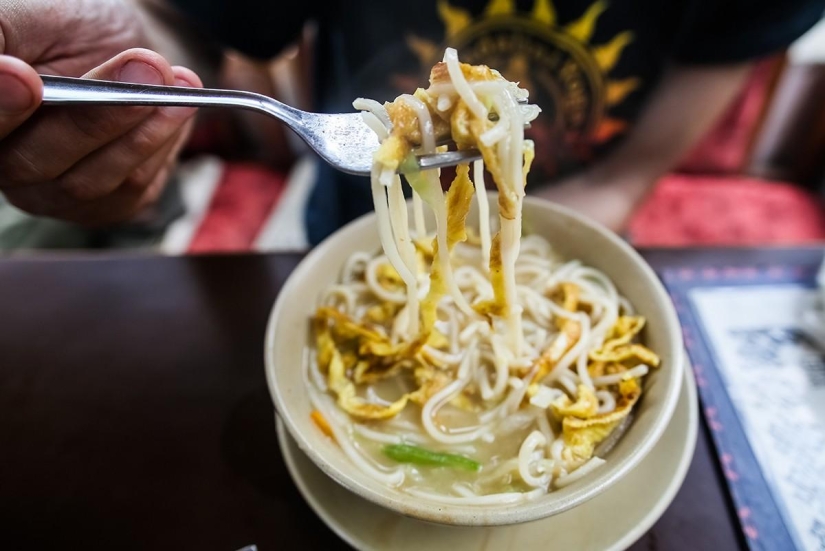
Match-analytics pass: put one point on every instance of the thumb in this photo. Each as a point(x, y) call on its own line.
point(21, 91)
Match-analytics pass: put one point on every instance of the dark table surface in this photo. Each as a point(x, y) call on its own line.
point(134, 412)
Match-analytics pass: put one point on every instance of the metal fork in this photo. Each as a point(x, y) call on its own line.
point(343, 140)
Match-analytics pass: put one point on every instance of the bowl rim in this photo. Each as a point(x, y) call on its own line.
point(467, 515)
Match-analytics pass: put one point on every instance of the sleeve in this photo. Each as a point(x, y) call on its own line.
point(257, 28)
point(731, 31)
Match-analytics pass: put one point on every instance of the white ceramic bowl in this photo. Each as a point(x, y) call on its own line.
point(288, 336)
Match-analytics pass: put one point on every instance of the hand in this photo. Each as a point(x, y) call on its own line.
point(680, 110)
point(610, 204)
point(90, 165)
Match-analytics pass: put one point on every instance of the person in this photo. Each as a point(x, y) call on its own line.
point(626, 86)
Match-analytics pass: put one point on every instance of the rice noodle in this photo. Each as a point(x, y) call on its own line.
point(460, 436)
point(382, 209)
point(607, 402)
point(637, 371)
point(376, 109)
point(533, 441)
point(371, 276)
point(483, 211)
point(462, 88)
point(418, 216)
point(406, 249)
point(592, 464)
point(545, 428)
point(375, 124)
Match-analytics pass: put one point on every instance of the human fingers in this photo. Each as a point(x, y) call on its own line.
point(136, 157)
point(56, 138)
point(146, 183)
point(140, 189)
point(20, 93)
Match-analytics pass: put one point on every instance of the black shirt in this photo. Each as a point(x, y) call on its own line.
point(588, 64)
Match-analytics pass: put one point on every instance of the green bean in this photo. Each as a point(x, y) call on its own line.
point(404, 453)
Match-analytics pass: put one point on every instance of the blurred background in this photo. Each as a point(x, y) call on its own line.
point(757, 178)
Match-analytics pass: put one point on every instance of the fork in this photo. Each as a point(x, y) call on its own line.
point(343, 140)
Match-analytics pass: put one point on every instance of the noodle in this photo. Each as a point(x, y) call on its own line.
point(638, 371)
point(483, 210)
point(526, 457)
point(505, 365)
point(592, 464)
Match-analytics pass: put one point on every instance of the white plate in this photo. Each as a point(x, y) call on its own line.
point(612, 520)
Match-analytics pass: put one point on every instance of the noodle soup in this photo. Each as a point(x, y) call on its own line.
point(514, 431)
point(469, 366)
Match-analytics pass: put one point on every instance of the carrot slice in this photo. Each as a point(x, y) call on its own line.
point(321, 422)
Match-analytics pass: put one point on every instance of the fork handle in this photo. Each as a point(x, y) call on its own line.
point(74, 91)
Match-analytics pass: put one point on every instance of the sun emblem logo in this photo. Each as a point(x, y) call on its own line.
point(566, 74)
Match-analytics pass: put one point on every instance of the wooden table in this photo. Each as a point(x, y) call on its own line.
point(134, 413)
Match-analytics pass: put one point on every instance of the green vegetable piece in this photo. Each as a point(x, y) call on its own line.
point(404, 453)
point(409, 165)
